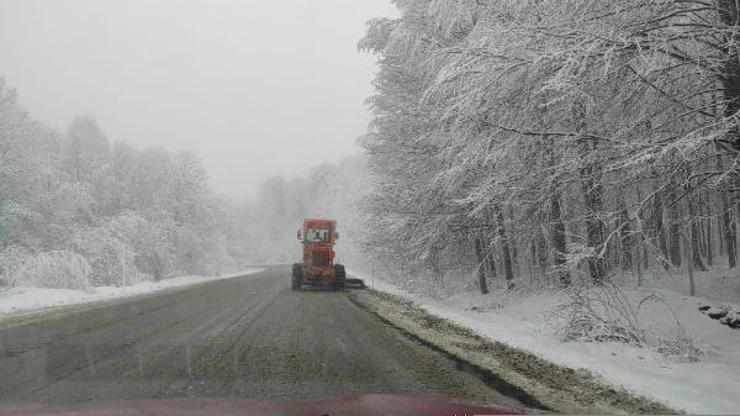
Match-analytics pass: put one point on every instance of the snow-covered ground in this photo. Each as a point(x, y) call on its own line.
point(528, 322)
point(27, 299)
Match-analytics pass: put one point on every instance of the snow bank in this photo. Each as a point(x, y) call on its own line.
point(709, 386)
point(26, 299)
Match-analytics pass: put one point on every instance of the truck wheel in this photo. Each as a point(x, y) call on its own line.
point(297, 277)
point(340, 277)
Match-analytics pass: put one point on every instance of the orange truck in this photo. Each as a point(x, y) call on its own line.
point(318, 237)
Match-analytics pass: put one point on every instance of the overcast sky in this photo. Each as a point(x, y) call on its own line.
point(256, 87)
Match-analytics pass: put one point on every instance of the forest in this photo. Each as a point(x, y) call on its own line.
point(554, 141)
point(78, 211)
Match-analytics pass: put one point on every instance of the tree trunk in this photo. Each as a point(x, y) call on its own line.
point(513, 245)
point(644, 255)
point(675, 243)
point(660, 237)
point(592, 196)
point(505, 250)
point(638, 268)
point(695, 237)
point(690, 267)
point(489, 260)
point(720, 237)
point(625, 234)
point(531, 259)
point(560, 250)
point(728, 226)
point(481, 266)
point(695, 242)
point(674, 227)
point(437, 273)
point(542, 254)
point(708, 231)
point(736, 221)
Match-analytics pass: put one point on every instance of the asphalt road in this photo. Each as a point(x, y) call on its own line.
point(249, 337)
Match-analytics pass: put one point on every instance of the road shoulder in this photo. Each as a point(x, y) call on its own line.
point(53, 303)
point(553, 387)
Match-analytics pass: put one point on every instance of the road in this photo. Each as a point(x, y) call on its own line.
point(249, 337)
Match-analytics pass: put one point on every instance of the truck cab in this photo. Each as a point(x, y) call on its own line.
point(318, 237)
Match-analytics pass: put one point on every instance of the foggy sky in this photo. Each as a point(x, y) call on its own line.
point(256, 87)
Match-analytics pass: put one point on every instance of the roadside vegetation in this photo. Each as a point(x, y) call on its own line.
point(79, 211)
point(537, 383)
point(576, 146)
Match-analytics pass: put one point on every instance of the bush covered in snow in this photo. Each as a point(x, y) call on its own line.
point(52, 270)
point(111, 260)
point(603, 313)
point(150, 241)
point(12, 260)
point(600, 314)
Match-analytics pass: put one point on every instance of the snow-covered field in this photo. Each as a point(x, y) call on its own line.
point(529, 322)
point(27, 299)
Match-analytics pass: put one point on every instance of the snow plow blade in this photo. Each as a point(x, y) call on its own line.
point(354, 284)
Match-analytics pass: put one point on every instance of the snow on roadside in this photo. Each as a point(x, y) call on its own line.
point(28, 299)
point(527, 323)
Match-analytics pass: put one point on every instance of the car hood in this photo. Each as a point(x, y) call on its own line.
point(366, 405)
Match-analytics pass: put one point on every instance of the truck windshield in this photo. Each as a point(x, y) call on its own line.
point(317, 235)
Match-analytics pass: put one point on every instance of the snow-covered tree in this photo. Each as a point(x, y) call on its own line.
point(575, 135)
point(113, 213)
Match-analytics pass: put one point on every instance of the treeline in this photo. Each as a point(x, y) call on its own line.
point(330, 190)
point(77, 210)
point(565, 139)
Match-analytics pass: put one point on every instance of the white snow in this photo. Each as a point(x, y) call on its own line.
point(28, 299)
point(526, 322)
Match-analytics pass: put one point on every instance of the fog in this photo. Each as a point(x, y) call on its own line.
point(255, 87)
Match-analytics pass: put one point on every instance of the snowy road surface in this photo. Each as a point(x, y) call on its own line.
point(246, 337)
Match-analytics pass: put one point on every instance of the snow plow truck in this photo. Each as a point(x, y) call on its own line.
point(318, 237)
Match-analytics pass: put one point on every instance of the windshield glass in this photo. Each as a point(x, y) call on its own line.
point(385, 203)
point(317, 235)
